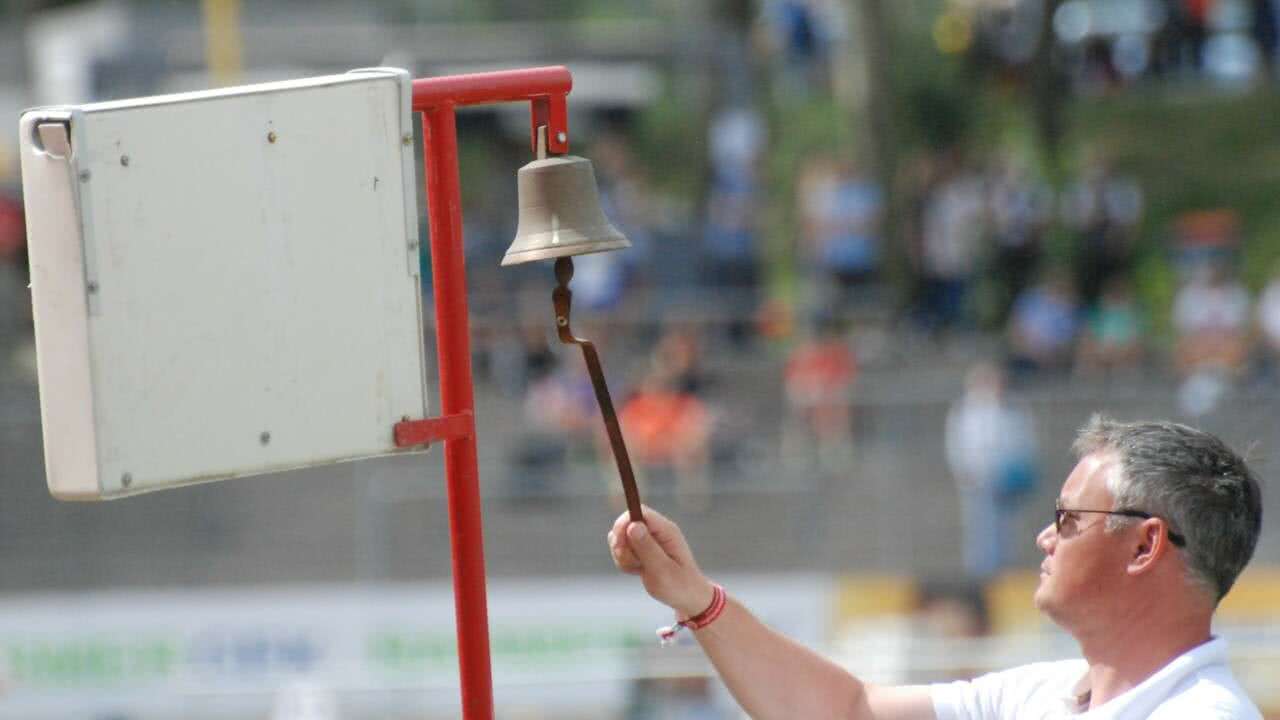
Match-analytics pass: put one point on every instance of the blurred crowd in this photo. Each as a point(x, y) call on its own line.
point(1103, 45)
point(968, 259)
point(986, 292)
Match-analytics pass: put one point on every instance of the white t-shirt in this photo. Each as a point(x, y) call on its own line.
point(1208, 308)
point(1197, 684)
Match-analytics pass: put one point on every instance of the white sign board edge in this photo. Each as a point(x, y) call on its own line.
point(224, 283)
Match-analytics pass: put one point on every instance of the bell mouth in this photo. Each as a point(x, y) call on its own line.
point(561, 243)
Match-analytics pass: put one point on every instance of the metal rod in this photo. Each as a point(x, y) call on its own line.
point(562, 299)
point(491, 87)
point(457, 396)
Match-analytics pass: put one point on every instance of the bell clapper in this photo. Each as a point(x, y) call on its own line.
point(564, 270)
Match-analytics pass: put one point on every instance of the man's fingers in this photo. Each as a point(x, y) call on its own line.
point(646, 549)
point(652, 517)
point(622, 555)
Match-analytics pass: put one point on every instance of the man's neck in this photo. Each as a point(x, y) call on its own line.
point(1134, 648)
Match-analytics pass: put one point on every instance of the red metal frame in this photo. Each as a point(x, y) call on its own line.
point(436, 98)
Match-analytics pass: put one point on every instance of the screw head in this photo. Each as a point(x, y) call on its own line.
point(92, 287)
point(84, 175)
point(124, 161)
point(561, 137)
point(126, 479)
point(264, 438)
point(562, 321)
point(271, 136)
point(407, 139)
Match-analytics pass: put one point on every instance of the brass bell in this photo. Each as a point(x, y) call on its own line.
point(560, 213)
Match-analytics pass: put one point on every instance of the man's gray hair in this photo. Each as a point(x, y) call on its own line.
point(1192, 480)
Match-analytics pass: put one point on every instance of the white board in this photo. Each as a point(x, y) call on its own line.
point(224, 283)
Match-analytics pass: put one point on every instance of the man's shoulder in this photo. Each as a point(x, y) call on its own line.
point(1212, 694)
point(1024, 691)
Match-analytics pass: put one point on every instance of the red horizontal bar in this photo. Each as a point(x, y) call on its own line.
point(491, 87)
point(408, 433)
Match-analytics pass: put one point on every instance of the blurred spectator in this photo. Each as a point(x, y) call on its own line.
point(1211, 320)
point(953, 610)
point(678, 358)
point(1112, 336)
point(953, 226)
point(1020, 207)
point(1098, 71)
point(730, 262)
point(668, 430)
point(1266, 31)
point(991, 451)
point(819, 379)
point(560, 421)
point(1205, 237)
point(802, 34)
point(1103, 209)
point(736, 137)
point(1043, 326)
point(601, 280)
point(1188, 22)
point(730, 253)
point(841, 212)
point(1269, 324)
point(522, 355)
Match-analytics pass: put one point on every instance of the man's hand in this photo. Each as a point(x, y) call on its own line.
point(656, 551)
point(769, 674)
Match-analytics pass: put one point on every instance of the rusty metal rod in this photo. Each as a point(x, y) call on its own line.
point(562, 298)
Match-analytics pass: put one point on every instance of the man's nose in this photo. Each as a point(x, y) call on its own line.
point(1046, 537)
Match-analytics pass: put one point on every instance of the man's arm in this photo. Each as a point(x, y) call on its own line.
point(769, 674)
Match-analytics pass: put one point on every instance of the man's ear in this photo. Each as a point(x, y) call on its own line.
point(1148, 544)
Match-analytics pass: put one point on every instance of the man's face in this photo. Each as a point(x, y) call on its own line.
point(1083, 564)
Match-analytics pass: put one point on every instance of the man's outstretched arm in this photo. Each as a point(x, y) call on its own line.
point(769, 674)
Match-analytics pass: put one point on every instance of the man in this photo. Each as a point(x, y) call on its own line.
point(991, 451)
point(1151, 529)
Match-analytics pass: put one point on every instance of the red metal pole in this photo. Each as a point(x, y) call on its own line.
point(453, 349)
point(544, 87)
point(436, 98)
point(491, 87)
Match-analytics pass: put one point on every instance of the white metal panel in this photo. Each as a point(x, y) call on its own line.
point(254, 303)
point(61, 317)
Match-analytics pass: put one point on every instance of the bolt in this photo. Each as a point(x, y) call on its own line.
point(124, 161)
point(126, 479)
point(407, 139)
point(84, 176)
point(271, 136)
point(264, 438)
point(561, 137)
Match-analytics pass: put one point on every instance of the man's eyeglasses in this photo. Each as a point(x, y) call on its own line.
point(1060, 512)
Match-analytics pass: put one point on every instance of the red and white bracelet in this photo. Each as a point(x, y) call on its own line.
point(667, 635)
